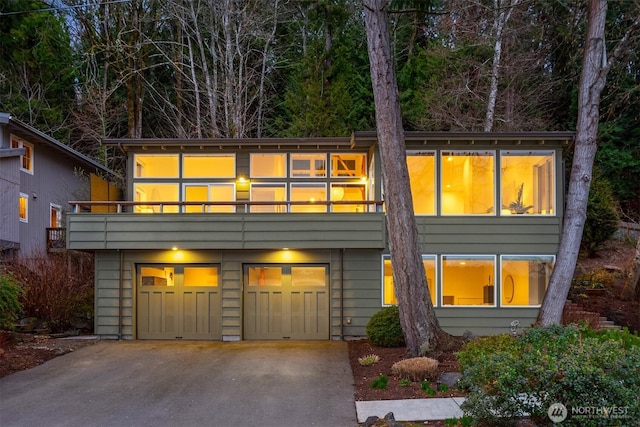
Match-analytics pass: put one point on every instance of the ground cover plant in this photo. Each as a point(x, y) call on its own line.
point(589, 372)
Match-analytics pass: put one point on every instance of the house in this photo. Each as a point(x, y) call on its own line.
point(243, 239)
point(38, 176)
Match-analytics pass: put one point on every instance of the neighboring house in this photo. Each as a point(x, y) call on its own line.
point(38, 177)
point(241, 239)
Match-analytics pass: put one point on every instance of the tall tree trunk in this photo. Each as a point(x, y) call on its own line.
point(595, 68)
point(420, 326)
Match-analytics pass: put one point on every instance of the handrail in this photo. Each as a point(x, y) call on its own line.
point(85, 206)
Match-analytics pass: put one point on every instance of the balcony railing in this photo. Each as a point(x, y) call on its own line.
point(56, 239)
point(348, 206)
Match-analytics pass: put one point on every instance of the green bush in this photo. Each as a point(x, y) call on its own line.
point(10, 307)
point(380, 382)
point(508, 377)
point(384, 328)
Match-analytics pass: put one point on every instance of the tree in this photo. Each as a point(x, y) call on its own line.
point(419, 323)
point(595, 67)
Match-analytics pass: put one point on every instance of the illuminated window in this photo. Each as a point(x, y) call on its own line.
point(348, 165)
point(55, 216)
point(388, 288)
point(157, 276)
point(201, 276)
point(527, 182)
point(268, 165)
point(468, 280)
point(301, 192)
point(264, 276)
point(209, 166)
point(348, 193)
point(309, 276)
point(156, 166)
point(309, 165)
point(26, 160)
point(156, 192)
point(209, 193)
point(269, 193)
point(23, 207)
point(468, 183)
point(525, 279)
point(422, 176)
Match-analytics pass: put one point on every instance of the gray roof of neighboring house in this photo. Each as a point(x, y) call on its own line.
point(24, 130)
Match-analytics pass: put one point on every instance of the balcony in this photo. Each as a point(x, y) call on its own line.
point(225, 225)
point(56, 239)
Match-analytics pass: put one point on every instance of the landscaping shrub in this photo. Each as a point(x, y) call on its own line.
point(602, 216)
point(384, 328)
point(10, 307)
point(587, 371)
point(58, 289)
point(415, 368)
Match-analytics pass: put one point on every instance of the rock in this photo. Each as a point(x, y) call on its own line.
point(468, 335)
point(450, 378)
point(370, 421)
point(391, 420)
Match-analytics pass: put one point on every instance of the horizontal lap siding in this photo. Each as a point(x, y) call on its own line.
point(520, 234)
point(362, 289)
point(484, 321)
point(214, 231)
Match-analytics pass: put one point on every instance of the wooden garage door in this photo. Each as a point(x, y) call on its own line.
point(178, 302)
point(286, 302)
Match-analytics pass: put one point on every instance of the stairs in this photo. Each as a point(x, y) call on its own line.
point(574, 313)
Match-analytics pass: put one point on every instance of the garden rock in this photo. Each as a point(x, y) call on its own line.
point(450, 378)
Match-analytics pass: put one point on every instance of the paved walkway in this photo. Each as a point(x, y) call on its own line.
point(411, 409)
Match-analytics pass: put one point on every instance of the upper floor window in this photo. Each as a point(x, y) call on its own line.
point(156, 192)
point(348, 193)
point(23, 207)
point(307, 192)
point(422, 177)
point(348, 165)
point(208, 166)
point(308, 165)
point(468, 182)
point(156, 166)
point(55, 214)
point(26, 160)
point(527, 182)
point(268, 165)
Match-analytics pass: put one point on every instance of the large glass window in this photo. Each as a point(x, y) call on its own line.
point(348, 165)
point(348, 193)
point(179, 275)
point(422, 176)
point(268, 165)
point(525, 279)
point(468, 183)
point(212, 193)
point(468, 280)
point(388, 287)
point(156, 166)
point(155, 192)
point(209, 166)
point(269, 193)
point(308, 165)
point(527, 182)
point(302, 192)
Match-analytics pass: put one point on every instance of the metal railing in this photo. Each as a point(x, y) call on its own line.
point(56, 239)
point(347, 206)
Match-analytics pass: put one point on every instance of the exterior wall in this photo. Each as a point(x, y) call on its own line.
point(55, 180)
point(9, 193)
point(225, 231)
point(347, 316)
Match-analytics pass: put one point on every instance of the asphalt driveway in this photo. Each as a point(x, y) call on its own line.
point(158, 383)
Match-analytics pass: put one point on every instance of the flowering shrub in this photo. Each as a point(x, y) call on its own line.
point(589, 372)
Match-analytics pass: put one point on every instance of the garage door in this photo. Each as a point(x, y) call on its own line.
point(178, 302)
point(286, 302)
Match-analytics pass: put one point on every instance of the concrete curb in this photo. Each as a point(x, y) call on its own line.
point(411, 409)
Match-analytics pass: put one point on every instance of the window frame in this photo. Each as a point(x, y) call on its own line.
point(25, 197)
point(483, 257)
point(493, 153)
point(437, 191)
point(435, 300)
point(310, 157)
point(58, 209)
point(185, 156)
point(552, 185)
point(28, 156)
point(137, 163)
point(502, 278)
point(178, 273)
point(286, 165)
